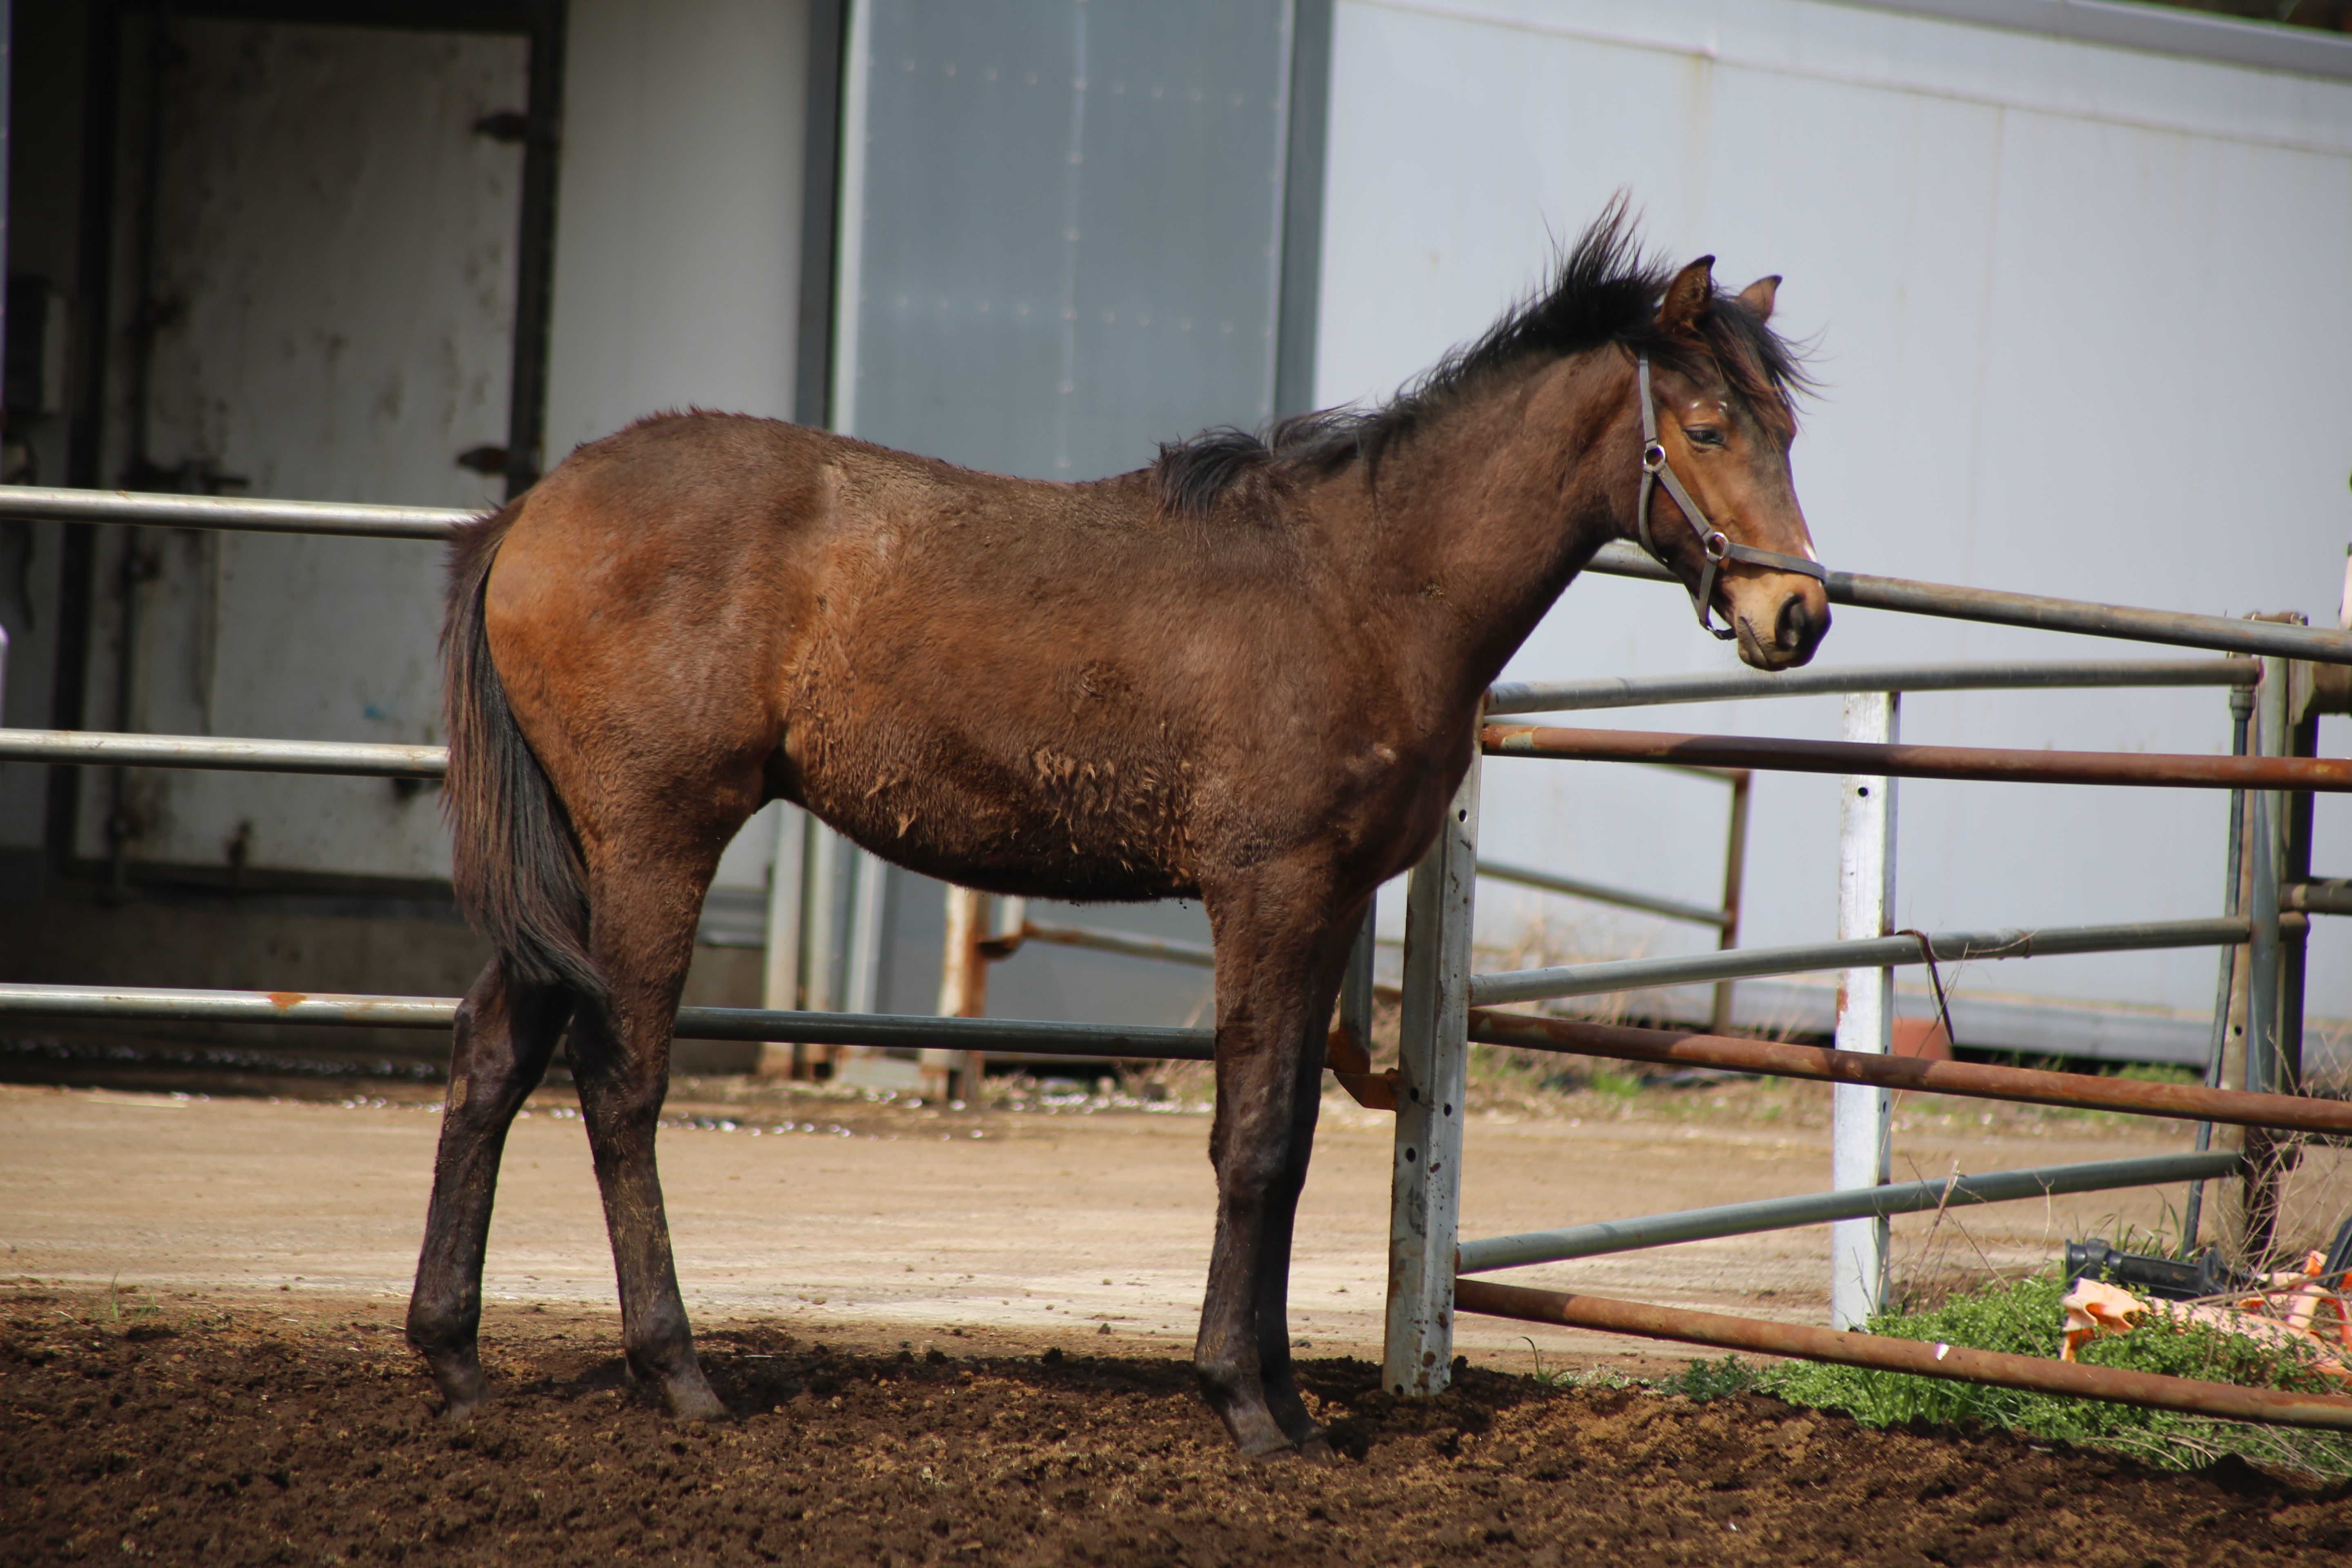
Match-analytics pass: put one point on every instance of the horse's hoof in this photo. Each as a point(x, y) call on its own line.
point(1317, 1450)
point(464, 1389)
point(693, 1402)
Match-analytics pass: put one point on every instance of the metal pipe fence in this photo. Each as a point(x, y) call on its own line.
point(233, 514)
point(2082, 617)
point(352, 759)
point(1819, 1208)
point(1866, 953)
point(1736, 685)
point(162, 1004)
point(1128, 944)
point(1920, 1358)
point(1576, 887)
point(1919, 1075)
point(1439, 989)
point(1870, 763)
point(1887, 759)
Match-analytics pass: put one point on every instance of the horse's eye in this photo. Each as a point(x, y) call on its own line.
point(1702, 436)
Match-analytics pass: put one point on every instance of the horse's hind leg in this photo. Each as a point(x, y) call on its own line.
point(506, 1031)
point(645, 911)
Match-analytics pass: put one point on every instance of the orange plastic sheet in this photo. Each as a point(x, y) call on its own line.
point(2292, 1310)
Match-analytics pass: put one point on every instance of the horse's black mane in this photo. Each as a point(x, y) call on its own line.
point(1605, 290)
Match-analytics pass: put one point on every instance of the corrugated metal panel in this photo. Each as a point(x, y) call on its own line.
point(1065, 247)
point(1068, 228)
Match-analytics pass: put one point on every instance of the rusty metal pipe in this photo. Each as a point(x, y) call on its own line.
point(1914, 761)
point(1167, 949)
point(1974, 1080)
point(1732, 685)
point(1880, 1352)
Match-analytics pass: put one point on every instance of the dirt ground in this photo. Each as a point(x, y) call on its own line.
point(960, 1336)
point(188, 1434)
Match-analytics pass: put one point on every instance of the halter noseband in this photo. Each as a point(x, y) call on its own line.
point(1712, 543)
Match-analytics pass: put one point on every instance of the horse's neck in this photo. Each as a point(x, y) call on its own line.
point(1488, 510)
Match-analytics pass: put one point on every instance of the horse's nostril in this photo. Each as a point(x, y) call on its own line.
point(1795, 622)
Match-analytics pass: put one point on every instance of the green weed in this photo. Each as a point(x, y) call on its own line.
point(1565, 1378)
point(1703, 1379)
point(1611, 1084)
point(2023, 1317)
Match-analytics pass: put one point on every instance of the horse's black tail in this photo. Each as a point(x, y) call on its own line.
point(517, 866)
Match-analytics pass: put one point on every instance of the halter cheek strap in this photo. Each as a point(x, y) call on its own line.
point(1712, 542)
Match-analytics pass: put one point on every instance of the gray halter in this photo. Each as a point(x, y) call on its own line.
point(1711, 541)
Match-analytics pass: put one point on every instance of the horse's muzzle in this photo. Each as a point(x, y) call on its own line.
point(1801, 625)
point(1798, 624)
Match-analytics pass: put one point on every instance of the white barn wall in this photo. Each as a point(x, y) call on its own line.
point(2080, 322)
point(678, 230)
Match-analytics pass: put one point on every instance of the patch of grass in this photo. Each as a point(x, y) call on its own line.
point(2158, 1072)
point(1567, 1377)
point(1703, 1379)
point(1611, 1084)
point(2023, 1317)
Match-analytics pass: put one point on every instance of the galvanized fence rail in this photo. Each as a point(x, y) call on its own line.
point(1421, 1318)
point(1439, 993)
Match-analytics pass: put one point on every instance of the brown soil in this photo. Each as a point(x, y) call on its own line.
point(188, 1431)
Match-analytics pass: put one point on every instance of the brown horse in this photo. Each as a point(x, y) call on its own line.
point(1248, 674)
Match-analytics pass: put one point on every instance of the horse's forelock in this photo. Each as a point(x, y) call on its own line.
point(1762, 368)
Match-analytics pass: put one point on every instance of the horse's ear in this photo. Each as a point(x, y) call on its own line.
point(1759, 296)
point(1687, 298)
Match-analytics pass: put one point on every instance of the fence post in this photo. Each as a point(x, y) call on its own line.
point(1865, 1014)
point(2232, 977)
point(963, 990)
point(2266, 1154)
point(1735, 873)
point(1432, 1070)
point(1356, 985)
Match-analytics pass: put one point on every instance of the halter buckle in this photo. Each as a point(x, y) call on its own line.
point(1715, 545)
point(1653, 458)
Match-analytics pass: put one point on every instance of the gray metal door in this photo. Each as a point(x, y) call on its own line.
point(321, 244)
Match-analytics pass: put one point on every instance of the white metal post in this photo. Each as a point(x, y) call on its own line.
point(862, 990)
point(780, 972)
point(821, 919)
point(963, 990)
point(1432, 1071)
point(1865, 1013)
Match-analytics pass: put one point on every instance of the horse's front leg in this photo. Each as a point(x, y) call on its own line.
point(506, 1031)
point(1279, 967)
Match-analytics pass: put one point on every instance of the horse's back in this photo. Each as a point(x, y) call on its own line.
point(1000, 682)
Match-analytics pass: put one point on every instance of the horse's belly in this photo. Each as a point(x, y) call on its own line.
point(1060, 826)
